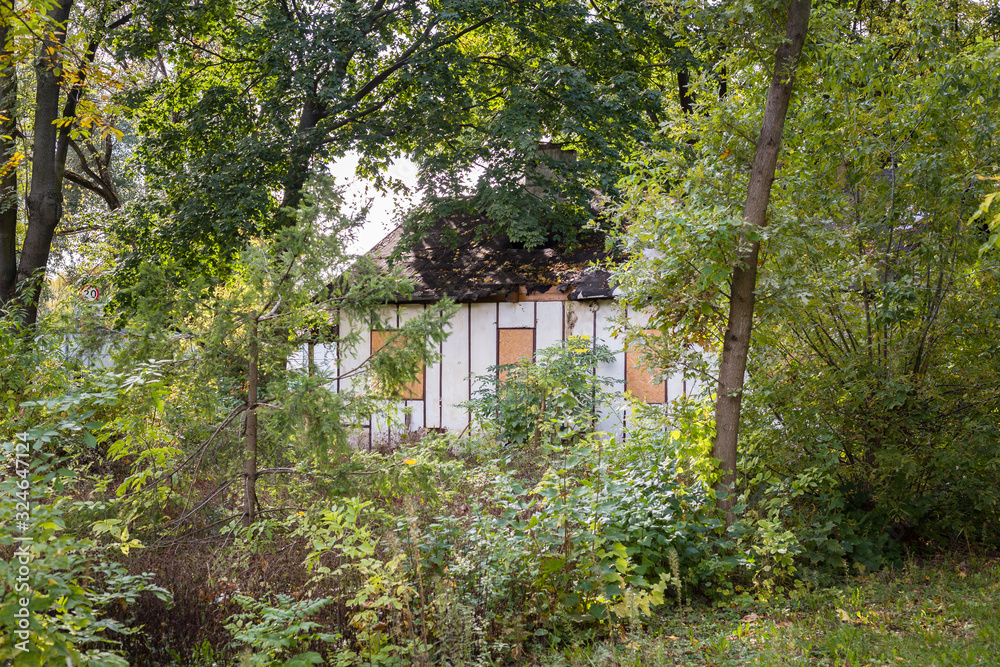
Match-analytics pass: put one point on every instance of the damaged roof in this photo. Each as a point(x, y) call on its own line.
point(448, 261)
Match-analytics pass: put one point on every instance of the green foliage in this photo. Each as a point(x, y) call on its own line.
point(586, 544)
point(375, 587)
point(31, 368)
point(798, 526)
point(551, 399)
point(871, 410)
point(230, 135)
point(285, 297)
point(292, 287)
point(934, 613)
point(992, 224)
point(878, 361)
point(869, 423)
point(70, 584)
point(682, 245)
point(682, 434)
point(572, 547)
point(425, 470)
point(274, 631)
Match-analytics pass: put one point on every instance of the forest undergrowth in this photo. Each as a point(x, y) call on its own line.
point(529, 539)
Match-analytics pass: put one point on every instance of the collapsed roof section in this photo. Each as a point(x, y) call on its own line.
point(449, 261)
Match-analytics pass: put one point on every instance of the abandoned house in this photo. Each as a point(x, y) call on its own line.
point(513, 302)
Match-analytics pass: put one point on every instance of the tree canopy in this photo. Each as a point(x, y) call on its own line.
point(869, 252)
point(251, 100)
point(186, 129)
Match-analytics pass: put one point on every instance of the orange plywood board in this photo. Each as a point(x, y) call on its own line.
point(413, 391)
point(515, 344)
point(639, 379)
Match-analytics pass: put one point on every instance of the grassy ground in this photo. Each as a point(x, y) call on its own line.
point(929, 615)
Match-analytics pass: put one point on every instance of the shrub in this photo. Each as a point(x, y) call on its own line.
point(573, 546)
point(551, 399)
point(69, 586)
point(272, 631)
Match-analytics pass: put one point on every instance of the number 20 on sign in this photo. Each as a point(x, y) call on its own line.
point(90, 293)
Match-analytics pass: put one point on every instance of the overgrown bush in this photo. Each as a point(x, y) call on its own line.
point(550, 399)
point(272, 632)
point(72, 586)
point(881, 467)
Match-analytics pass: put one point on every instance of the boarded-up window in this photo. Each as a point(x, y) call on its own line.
point(514, 345)
point(639, 380)
point(413, 391)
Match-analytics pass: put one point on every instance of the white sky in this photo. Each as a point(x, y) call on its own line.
point(386, 208)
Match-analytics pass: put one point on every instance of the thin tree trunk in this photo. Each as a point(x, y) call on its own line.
point(44, 202)
point(73, 97)
point(736, 344)
point(250, 471)
point(8, 179)
point(684, 91)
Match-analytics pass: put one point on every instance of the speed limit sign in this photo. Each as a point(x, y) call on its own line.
point(90, 293)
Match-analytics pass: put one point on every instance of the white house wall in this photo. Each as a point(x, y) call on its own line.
point(483, 319)
point(471, 348)
point(579, 320)
point(412, 415)
point(516, 315)
point(637, 318)
point(433, 376)
point(548, 323)
point(455, 372)
point(353, 357)
point(612, 418)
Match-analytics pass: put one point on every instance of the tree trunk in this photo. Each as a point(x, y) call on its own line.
point(250, 471)
point(684, 91)
point(305, 142)
point(8, 179)
point(736, 344)
point(44, 202)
